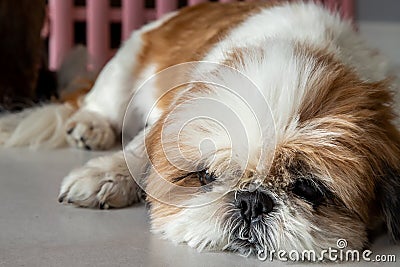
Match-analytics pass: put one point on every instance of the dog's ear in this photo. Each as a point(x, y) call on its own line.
point(388, 193)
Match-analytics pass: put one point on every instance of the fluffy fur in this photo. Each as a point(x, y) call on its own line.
point(285, 115)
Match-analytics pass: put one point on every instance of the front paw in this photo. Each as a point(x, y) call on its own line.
point(103, 183)
point(90, 131)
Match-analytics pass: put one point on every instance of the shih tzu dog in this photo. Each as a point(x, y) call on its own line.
point(249, 127)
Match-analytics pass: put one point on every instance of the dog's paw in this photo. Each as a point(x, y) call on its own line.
point(89, 130)
point(103, 183)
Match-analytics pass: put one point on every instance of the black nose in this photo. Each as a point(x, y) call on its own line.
point(253, 205)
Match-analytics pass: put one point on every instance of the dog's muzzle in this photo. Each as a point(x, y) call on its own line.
point(249, 232)
point(253, 205)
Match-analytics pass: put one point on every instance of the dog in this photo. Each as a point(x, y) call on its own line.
point(248, 127)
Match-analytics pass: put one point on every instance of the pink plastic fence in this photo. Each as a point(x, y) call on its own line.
point(98, 14)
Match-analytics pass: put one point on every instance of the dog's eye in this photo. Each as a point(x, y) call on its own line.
point(309, 190)
point(206, 177)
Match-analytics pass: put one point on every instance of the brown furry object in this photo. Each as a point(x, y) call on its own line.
point(20, 47)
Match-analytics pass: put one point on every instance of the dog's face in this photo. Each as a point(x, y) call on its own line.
point(321, 175)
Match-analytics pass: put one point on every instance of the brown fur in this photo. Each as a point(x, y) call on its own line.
point(361, 112)
point(189, 36)
point(349, 161)
point(75, 97)
point(352, 163)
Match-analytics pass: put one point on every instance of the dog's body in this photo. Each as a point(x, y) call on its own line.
point(328, 169)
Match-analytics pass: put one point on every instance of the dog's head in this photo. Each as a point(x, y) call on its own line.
point(219, 177)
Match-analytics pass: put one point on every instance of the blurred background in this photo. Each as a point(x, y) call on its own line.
point(379, 23)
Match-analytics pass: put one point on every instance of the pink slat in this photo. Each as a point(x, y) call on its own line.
point(195, 2)
point(98, 15)
point(165, 6)
point(226, 1)
point(98, 33)
point(61, 36)
point(132, 16)
point(347, 9)
point(115, 14)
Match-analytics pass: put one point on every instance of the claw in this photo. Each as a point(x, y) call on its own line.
point(103, 206)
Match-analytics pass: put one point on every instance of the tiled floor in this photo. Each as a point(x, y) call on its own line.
point(35, 230)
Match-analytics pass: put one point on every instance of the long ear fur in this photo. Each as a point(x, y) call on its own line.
point(388, 192)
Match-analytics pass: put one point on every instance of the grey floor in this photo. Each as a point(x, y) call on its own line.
point(35, 230)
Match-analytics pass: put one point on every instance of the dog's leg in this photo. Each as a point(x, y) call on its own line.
point(106, 182)
point(97, 123)
point(99, 120)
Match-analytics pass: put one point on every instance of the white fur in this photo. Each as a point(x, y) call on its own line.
point(283, 27)
point(179, 228)
point(115, 85)
point(35, 127)
point(310, 23)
